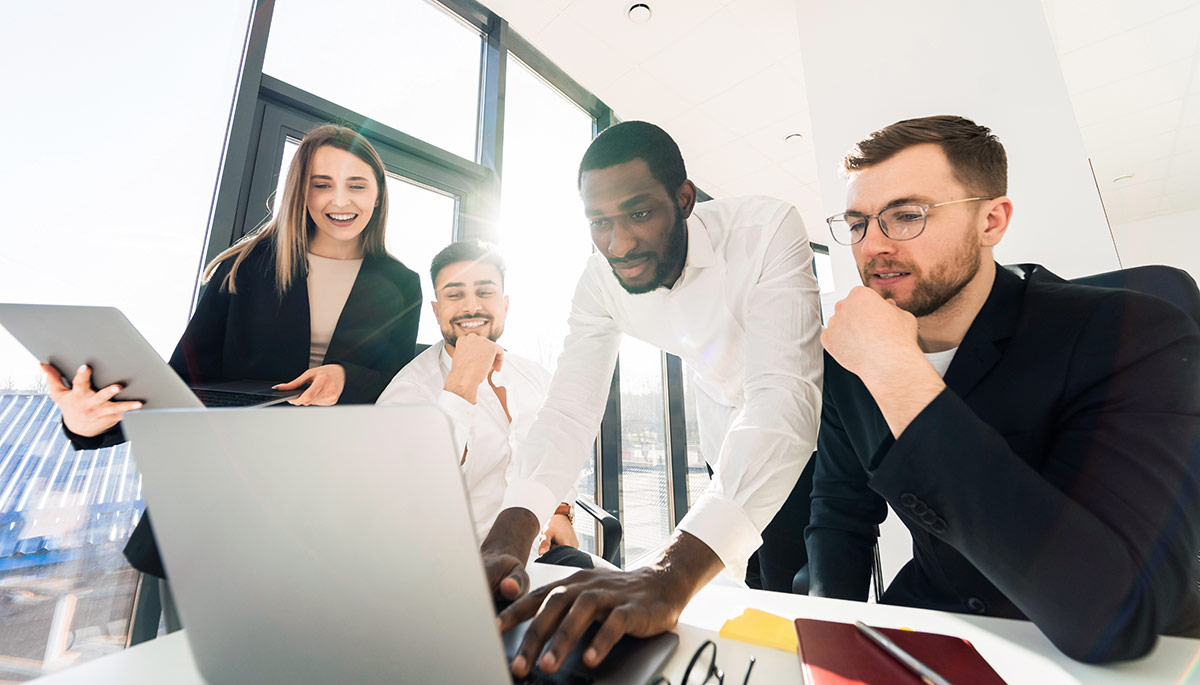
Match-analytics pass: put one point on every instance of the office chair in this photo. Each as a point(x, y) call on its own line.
point(1164, 282)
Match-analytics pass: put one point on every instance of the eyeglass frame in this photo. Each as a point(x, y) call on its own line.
point(713, 669)
point(878, 217)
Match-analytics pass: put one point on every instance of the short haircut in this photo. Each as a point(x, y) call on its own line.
point(630, 140)
point(466, 251)
point(975, 153)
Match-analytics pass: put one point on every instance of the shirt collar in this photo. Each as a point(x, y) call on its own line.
point(699, 250)
point(444, 358)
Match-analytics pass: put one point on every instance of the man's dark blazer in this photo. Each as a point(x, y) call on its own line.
point(1055, 479)
point(256, 335)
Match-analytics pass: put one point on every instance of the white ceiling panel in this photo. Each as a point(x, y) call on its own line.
point(725, 78)
point(1136, 126)
point(1114, 100)
point(1182, 166)
point(696, 132)
point(1154, 146)
point(717, 55)
point(757, 101)
point(1079, 23)
point(602, 62)
point(640, 94)
point(670, 21)
point(528, 18)
point(771, 139)
point(772, 22)
point(1184, 184)
point(727, 163)
point(1108, 169)
point(803, 166)
point(1136, 51)
point(772, 181)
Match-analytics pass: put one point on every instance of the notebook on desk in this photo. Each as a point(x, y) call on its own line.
point(839, 654)
point(326, 546)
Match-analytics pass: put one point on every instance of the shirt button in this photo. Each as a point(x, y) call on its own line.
point(908, 499)
point(938, 527)
point(976, 605)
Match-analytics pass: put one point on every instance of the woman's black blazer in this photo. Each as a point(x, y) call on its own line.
point(257, 335)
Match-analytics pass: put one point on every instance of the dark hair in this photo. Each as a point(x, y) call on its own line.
point(466, 251)
point(975, 153)
point(630, 140)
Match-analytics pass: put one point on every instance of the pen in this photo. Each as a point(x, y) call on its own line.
point(925, 673)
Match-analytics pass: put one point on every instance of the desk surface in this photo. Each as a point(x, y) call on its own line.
point(1016, 649)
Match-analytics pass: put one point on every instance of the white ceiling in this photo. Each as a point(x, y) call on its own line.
point(725, 79)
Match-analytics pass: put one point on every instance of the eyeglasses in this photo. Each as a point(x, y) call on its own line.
point(702, 669)
point(899, 222)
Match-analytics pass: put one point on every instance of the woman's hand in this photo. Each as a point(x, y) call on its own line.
point(327, 383)
point(85, 411)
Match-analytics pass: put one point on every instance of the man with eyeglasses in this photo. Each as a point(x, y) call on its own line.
point(1038, 438)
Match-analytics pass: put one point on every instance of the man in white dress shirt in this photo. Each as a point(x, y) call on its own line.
point(728, 286)
point(491, 396)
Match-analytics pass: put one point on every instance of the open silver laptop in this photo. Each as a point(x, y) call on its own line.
point(68, 336)
point(326, 546)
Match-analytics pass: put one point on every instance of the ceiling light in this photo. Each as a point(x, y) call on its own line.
point(793, 138)
point(639, 13)
point(1126, 177)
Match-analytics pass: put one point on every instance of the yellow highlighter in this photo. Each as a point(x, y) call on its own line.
point(761, 628)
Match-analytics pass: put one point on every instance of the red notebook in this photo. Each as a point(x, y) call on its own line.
point(838, 654)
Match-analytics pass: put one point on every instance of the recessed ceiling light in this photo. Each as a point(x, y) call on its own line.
point(1126, 177)
point(639, 13)
point(793, 138)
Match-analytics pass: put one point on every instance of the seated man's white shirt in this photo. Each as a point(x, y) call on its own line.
point(745, 315)
point(482, 429)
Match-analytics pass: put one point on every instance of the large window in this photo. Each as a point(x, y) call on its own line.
point(644, 482)
point(542, 232)
point(117, 163)
point(408, 64)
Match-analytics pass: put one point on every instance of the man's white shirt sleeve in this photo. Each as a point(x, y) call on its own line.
point(773, 436)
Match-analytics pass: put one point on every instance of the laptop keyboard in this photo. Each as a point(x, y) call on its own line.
point(224, 398)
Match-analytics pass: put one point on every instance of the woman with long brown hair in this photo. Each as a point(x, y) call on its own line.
point(311, 296)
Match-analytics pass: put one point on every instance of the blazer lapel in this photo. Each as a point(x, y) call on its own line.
point(360, 317)
point(982, 346)
point(292, 330)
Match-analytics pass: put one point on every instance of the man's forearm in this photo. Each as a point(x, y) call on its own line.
point(903, 390)
point(513, 533)
point(689, 564)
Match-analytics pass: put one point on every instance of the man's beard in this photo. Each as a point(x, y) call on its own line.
point(672, 257)
point(494, 331)
point(943, 284)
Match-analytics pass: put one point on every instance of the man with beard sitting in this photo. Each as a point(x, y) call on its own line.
point(1038, 438)
point(490, 395)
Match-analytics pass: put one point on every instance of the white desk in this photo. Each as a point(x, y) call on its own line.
point(1016, 649)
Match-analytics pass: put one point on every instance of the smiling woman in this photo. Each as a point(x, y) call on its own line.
point(311, 297)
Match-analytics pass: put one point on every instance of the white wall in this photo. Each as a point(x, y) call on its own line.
point(869, 63)
point(114, 117)
point(1172, 239)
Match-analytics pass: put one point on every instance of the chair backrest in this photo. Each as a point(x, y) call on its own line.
point(1164, 282)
